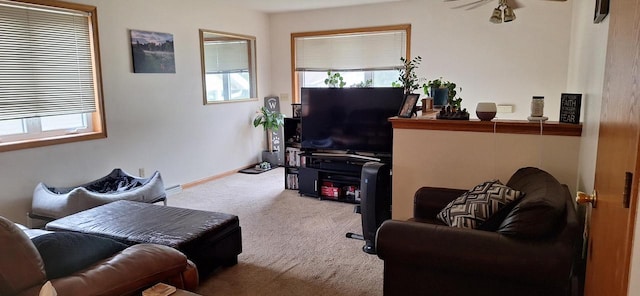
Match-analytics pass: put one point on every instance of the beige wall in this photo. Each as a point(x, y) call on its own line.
point(507, 63)
point(464, 159)
point(154, 121)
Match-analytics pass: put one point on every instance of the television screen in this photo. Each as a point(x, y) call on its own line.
point(350, 119)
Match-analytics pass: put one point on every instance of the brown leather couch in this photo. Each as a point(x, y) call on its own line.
point(126, 273)
point(531, 252)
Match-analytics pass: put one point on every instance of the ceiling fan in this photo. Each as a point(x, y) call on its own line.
point(504, 11)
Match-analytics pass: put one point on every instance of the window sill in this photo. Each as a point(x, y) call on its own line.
point(41, 142)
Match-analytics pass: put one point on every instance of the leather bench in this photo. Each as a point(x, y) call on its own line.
point(209, 239)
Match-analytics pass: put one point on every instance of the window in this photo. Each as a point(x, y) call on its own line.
point(50, 90)
point(363, 57)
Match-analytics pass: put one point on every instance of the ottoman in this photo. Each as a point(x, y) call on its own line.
point(209, 239)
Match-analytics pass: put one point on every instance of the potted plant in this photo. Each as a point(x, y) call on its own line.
point(443, 93)
point(334, 80)
point(270, 121)
point(408, 77)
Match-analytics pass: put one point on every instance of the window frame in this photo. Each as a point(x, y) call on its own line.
point(295, 77)
point(97, 119)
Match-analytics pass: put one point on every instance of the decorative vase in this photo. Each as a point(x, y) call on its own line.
point(486, 111)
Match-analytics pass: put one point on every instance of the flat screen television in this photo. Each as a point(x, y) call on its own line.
point(349, 119)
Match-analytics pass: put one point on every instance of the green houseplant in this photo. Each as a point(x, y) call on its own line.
point(440, 89)
point(334, 80)
point(270, 121)
point(408, 77)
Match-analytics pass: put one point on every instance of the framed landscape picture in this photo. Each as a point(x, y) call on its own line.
point(570, 108)
point(152, 52)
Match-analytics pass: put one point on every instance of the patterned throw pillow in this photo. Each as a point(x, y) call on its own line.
point(475, 206)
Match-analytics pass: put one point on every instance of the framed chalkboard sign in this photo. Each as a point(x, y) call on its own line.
point(570, 108)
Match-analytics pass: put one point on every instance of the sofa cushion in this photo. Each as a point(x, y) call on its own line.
point(476, 206)
point(539, 212)
point(64, 253)
point(20, 263)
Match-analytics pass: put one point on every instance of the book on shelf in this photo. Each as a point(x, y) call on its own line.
point(292, 156)
point(292, 181)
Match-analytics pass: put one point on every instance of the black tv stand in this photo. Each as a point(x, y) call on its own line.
point(332, 176)
point(354, 155)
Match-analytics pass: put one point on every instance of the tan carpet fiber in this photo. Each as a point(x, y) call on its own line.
point(292, 245)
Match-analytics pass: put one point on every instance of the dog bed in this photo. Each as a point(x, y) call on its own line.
point(55, 202)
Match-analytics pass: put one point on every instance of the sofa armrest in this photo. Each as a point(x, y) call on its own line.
point(469, 251)
point(127, 272)
point(187, 280)
point(428, 201)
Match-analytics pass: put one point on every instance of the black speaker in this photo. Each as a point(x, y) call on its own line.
point(375, 202)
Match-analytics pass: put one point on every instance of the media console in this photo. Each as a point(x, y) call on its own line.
point(333, 176)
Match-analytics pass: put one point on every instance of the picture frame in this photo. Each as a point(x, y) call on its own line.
point(152, 52)
point(601, 11)
point(570, 108)
point(296, 110)
point(408, 104)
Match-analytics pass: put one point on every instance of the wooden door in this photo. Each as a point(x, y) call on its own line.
point(612, 224)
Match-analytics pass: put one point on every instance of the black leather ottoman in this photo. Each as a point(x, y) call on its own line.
point(209, 239)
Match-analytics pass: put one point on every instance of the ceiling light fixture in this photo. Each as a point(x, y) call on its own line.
point(502, 9)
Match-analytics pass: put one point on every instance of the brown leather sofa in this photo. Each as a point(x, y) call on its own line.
point(128, 272)
point(531, 252)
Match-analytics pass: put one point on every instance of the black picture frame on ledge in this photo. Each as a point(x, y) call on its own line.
point(601, 11)
point(410, 100)
point(296, 110)
point(570, 108)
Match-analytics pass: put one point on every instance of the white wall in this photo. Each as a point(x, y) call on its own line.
point(154, 121)
point(506, 63)
point(586, 75)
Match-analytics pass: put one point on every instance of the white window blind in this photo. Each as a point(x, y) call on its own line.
point(46, 63)
point(224, 57)
point(350, 52)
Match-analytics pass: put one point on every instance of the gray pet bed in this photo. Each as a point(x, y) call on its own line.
point(55, 202)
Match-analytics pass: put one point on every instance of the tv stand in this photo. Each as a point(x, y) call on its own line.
point(332, 176)
point(347, 155)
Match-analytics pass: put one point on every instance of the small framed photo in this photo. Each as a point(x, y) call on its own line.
point(408, 104)
point(570, 108)
point(296, 110)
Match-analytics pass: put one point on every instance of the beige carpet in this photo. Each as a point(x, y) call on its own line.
point(292, 245)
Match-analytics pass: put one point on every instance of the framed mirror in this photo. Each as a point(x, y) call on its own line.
point(228, 67)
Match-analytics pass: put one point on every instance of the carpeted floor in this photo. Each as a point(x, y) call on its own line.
point(292, 245)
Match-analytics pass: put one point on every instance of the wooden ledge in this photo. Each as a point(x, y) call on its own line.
point(553, 128)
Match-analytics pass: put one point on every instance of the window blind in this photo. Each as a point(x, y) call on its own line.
point(46, 64)
point(345, 52)
point(222, 57)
